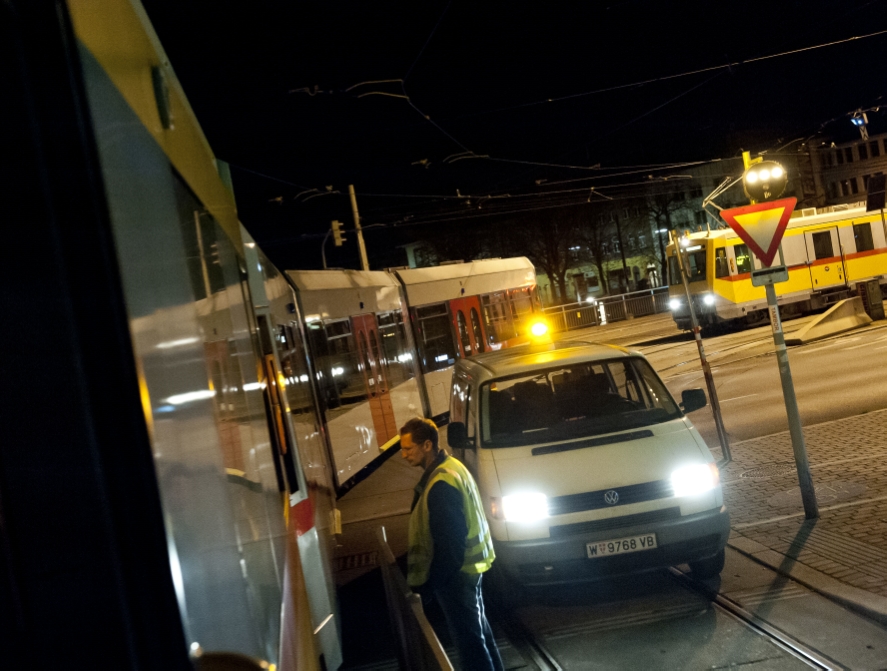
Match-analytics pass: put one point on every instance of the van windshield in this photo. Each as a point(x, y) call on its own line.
point(573, 401)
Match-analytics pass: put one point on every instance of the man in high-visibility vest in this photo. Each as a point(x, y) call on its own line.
point(450, 546)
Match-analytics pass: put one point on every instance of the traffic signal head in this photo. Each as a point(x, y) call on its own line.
point(764, 181)
point(337, 233)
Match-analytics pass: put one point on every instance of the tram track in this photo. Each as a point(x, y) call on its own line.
point(537, 654)
point(790, 644)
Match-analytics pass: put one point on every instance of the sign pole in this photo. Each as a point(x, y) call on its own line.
point(706, 369)
point(799, 446)
point(761, 226)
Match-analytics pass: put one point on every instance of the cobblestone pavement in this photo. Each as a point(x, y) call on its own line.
point(848, 463)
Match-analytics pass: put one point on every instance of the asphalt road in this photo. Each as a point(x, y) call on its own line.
point(841, 376)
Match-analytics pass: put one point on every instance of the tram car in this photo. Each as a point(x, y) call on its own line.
point(828, 252)
point(165, 486)
point(385, 342)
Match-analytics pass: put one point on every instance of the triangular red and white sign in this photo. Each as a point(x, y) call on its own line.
point(761, 226)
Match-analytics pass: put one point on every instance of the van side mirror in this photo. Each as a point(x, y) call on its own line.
point(693, 399)
point(457, 436)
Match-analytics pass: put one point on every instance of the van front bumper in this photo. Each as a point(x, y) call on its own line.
point(564, 556)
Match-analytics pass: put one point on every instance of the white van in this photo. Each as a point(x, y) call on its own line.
point(586, 464)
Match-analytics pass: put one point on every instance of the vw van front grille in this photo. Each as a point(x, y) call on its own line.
point(621, 522)
point(604, 498)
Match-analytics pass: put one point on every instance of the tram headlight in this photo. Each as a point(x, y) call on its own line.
point(674, 304)
point(708, 299)
point(695, 479)
point(524, 507)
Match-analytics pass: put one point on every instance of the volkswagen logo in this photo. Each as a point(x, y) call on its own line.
point(612, 497)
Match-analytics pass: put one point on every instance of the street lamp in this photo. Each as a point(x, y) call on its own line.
point(860, 120)
point(764, 181)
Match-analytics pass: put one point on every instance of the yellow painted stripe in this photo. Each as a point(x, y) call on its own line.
point(119, 36)
point(391, 443)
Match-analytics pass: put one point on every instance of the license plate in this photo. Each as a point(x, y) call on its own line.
point(621, 546)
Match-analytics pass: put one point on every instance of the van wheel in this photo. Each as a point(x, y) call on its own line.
point(708, 568)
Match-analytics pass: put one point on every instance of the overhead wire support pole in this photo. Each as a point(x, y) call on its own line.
point(364, 264)
point(706, 369)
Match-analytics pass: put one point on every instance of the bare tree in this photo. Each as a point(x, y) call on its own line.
point(663, 201)
point(547, 240)
point(594, 237)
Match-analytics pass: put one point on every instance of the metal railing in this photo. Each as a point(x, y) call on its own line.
point(417, 645)
point(608, 309)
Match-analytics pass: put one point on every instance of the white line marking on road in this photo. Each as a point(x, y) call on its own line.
point(736, 398)
point(788, 517)
point(804, 350)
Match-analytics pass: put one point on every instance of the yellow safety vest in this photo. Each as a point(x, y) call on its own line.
point(479, 554)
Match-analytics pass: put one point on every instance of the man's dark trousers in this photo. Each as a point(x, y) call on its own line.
point(463, 606)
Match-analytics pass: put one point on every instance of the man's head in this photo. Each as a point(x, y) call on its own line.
point(419, 442)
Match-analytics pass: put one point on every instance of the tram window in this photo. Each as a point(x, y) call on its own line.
point(339, 378)
point(722, 269)
point(478, 332)
point(822, 245)
point(497, 314)
point(365, 360)
point(743, 259)
point(862, 234)
point(674, 272)
point(395, 355)
point(521, 307)
point(209, 245)
point(463, 332)
point(696, 266)
point(298, 383)
point(437, 348)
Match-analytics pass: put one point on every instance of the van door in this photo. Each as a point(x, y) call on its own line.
point(825, 258)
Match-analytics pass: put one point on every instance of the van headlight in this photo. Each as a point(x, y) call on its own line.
point(695, 479)
point(674, 304)
point(525, 507)
point(708, 299)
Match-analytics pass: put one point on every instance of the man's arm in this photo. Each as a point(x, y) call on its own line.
point(448, 532)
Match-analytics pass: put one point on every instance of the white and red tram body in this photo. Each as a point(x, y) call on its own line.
point(461, 309)
point(384, 343)
point(364, 365)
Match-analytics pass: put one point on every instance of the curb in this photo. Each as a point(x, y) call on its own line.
point(865, 603)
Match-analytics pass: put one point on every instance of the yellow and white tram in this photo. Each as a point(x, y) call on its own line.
point(828, 252)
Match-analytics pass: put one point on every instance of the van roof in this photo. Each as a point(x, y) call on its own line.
point(523, 358)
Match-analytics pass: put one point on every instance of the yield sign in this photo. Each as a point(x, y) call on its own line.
point(761, 226)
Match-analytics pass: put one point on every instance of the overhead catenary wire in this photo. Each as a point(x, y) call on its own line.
point(643, 82)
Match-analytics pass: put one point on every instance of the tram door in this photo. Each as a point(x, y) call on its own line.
point(825, 258)
point(468, 325)
point(366, 333)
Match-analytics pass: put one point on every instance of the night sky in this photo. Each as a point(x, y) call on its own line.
point(419, 103)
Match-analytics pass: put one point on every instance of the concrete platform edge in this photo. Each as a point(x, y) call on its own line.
point(865, 603)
